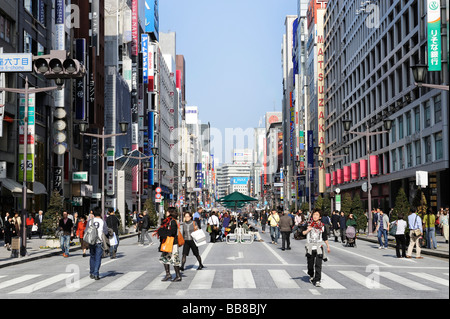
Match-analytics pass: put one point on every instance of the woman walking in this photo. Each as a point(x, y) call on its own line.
point(400, 239)
point(169, 228)
point(189, 226)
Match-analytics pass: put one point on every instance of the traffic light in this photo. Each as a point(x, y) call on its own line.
point(57, 65)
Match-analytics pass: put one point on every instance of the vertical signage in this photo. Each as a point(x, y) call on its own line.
point(110, 171)
point(80, 84)
point(292, 125)
point(152, 18)
point(145, 60)
point(30, 137)
point(321, 93)
point(434, 35)
point(134, 28)
point(151, 129)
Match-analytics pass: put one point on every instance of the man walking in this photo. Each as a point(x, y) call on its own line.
point(286, 224)
point(38, 222)
point(198, 217)
point(145, 228)
point(96, 250)
point(273, 221)
point(66, 226)
point(383, 229)
point(415, 232)
point(113, 222)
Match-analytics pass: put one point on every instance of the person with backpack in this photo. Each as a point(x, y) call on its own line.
point(94, 237)
point(113, 223)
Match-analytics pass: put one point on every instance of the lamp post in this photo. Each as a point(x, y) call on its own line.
point(26, 91)
point(123, 128)
point(420, 74)
point(387, 126)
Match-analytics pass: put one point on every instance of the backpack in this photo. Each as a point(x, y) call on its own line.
point(91, 234)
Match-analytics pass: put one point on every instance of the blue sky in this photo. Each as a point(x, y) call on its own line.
point(232, 50)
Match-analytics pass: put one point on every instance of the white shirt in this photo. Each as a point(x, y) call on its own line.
point(401, 227)
point(101, 226)
point(213, 220)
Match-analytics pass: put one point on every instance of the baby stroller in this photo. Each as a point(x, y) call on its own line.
point(350, 234)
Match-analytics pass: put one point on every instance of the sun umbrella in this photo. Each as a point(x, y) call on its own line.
point(235, 198)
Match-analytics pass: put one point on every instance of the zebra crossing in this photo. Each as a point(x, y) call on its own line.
point(207, 279)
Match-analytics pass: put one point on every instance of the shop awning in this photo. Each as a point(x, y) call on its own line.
point(39, 189)
point(14, 187)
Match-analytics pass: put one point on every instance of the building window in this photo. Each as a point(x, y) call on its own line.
point(408, 124)
point(400, 127)
point(428, 149)
point(394, 160)
point(427, 114)
point(5, 28)
point(409, 155)
point(438, 146)
point(400, 158)
point(418, 153)
point(437, 109)
point(393, 132)
point(417, 119)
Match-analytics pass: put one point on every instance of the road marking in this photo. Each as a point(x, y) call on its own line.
point(432, 278)
point(77, 285)
point(204, 255)
point(123, 281)
point(16, 281)
point(282, 279)
point(363, 280)
point(328, 283)
point(203, 279)
point(243, 278)
point(157, 284)
point(368, 258)
point(284, 262)
point(405, 281)
point(315, 292)
point(41, 284)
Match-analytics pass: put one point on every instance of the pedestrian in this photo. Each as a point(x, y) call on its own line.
point(189, 226)
point(429, 222)
point(82, 223)
point(113, 223)
point(335, 225)
point(169, 228)
point(382, 229)
point(316, 239)
point(29, 223)
point(225, 223)
point(415, 233)
point(400, 239)
point(263, 221)
point(96, 250)
point(198, 217)
point(443, 223)
point(214, 223)
point(144, 229)
point(66, 226)
point(326, 220)
point(38, 222)
point(138, 226)
point(9, 231)
point(342, 226)
point(273, 221)
point(286, 223)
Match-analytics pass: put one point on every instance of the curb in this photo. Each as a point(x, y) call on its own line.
point(21, 260)
point(425, 251)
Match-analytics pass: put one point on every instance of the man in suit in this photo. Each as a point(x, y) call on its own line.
point(38, 222)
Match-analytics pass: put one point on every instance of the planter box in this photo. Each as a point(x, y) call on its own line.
point(53, 243)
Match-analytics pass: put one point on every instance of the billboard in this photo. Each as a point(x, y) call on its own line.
point(152, 19)
point(434, 35)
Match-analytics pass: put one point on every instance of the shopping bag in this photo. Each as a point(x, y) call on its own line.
point(167, 244)
point(113, 240)
point(180, 237)
point(199, 237)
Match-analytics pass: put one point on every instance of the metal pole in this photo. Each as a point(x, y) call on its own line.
point(369, 195)
point(103, 171)
point(23, 245)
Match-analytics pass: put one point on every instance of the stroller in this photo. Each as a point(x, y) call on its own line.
point(350, 234)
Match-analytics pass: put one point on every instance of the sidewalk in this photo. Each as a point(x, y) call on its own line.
point(441, 250)
point(35, 251)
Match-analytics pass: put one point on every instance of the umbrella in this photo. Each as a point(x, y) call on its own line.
point(236, 198)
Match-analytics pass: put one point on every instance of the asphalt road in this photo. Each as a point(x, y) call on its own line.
point(260, 270)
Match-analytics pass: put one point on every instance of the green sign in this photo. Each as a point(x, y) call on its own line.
point(434, 35)
point(79, 176)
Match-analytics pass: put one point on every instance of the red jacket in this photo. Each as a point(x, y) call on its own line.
point(30, 221)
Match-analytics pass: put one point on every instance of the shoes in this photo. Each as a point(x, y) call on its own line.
point(419, 257)
point(408, 256)
point(317, 284)
point(94, 277)
point(200, 267)
point(65, 255)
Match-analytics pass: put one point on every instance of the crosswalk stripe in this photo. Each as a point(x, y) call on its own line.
point(157, 284)
point(16, 281)
point(405, 281)
point(77, 285)
point(446, 274)
point(363, 280)
point(328, 283)
point(282, 279)
point(432, 278)
point(203, 279)
point(41, 284)
point(123, 281)
point(243, 278)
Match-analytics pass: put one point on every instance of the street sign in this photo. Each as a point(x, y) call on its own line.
point(278, 184)
point(158, 190)
point(16, 62)
point(158, 196)
point(79, 176)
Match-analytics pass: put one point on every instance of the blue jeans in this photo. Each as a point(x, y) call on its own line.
point(64, 240)
point(431, 235)
point(96, 252)
point(274, 233)
point(383, 233)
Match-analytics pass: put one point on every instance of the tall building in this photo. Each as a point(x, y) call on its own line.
point(369, 78)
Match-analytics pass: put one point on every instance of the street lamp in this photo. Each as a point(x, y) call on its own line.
point(123, 128)
point(420, 73)
point(387, 125)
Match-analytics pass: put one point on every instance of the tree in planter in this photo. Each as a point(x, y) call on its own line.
point(346, 203)
point(420, 203)
point(149, 206)
point(358, 211)
point(53, 214)
point(402, 205)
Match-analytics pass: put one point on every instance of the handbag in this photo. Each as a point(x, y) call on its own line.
point(393, 229)
point(417, 231)
point(167, 244)
point(180, 237)
point(208, 228)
